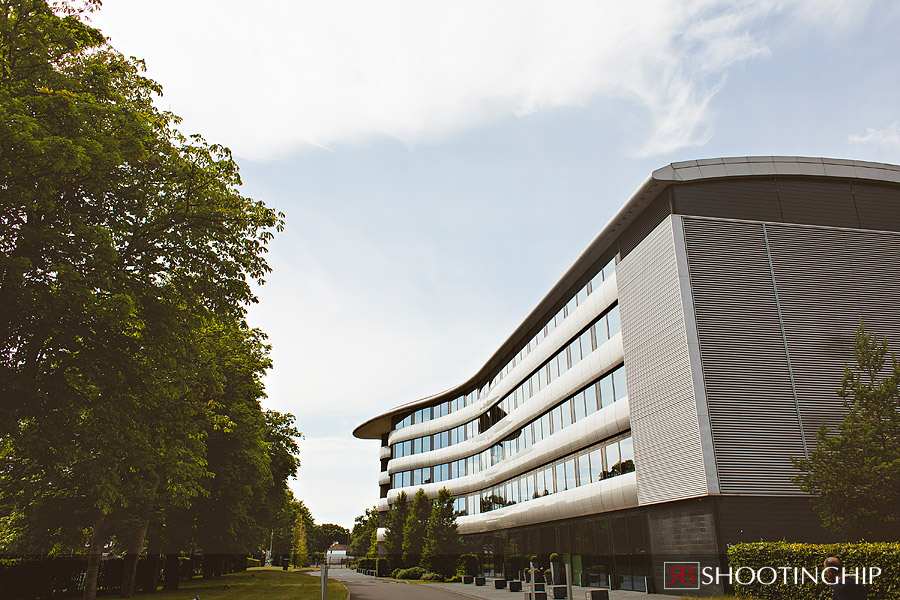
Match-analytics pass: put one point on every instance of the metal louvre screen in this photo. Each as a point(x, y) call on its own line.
point(827, 280)
point(753, 415)
point(668, 455)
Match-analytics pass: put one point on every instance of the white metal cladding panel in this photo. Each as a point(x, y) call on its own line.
point(829, 279)
point(752, 411)
point(668, 454)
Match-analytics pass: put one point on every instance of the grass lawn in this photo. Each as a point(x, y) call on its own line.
point(260, 583)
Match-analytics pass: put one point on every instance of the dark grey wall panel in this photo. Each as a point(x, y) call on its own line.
point(817, 202)
point(663, 409)
point(878, 206)
point(652, 216)
point(753, 199)
point(827, 280)
point(753, 415)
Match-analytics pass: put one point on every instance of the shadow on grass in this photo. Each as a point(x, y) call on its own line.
point(260, 583)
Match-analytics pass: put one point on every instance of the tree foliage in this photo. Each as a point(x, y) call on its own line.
point(396, 523)
point(854, 471)
point(415, 529)
point(442, 543)
point(364, 528)
point(130, 380)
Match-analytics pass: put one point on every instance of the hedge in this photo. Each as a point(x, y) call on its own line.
point(884, 555)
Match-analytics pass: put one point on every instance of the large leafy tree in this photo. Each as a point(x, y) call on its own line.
point(122, 242)
point(364, 529)
point(396, 522)
point(854, 471)
point(442, 543)
point(415, 528)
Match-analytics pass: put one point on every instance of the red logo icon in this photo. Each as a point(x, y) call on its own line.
point(682, 575)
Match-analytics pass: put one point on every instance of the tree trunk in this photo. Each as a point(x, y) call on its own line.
point(132, 553)
point(95, 553)
point(172, 575)
point(151, 575)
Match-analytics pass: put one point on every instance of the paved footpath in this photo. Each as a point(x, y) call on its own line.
point(365, 587)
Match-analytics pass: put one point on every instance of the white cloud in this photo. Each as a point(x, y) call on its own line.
point(888, 138)
point(286, 74)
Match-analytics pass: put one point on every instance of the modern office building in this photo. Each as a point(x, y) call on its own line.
point(648, 408)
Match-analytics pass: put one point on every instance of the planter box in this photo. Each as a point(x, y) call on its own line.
point(515, 586)
point(468, 579)
point(559, 591)
point(539, 587)
point(499, 584)
point(479, 581)
point(598, 595)
point(537, 596)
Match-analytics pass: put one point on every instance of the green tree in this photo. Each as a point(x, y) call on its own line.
point(415, 528)
point(854, 471)
point(299, 549)
point(393, 537)
point(329, 533)
point(364, 527)
point(121, 240)
point(442, 542)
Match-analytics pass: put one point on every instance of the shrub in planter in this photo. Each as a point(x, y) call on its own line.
point(432, 577)
point(526, 574)
point(394, 573)
point(455, 579)
point(554, 557)
point(548, 577)
point(469, 564)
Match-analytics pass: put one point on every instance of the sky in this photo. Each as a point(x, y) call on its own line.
point(441, 164)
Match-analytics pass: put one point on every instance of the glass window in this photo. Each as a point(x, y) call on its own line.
point(454, 469)
point(561, 477)
point(578, 401)
point(525, 437)
point(597, 281)
point(601, 334)
point(426, 443)
point(548, 481)
point(627, 450)
point(542, 377)
point(584, 341)
point(575, 352)
point(590, 399)
point(613, 467)
point(609, 269)
point(545, 425)
point(426, 475)
point(445, 471)
point(454, 436)
point(581, 296)
point(417, 445)
point(567, 413)
point(556, 419)
point(570, 306)
point(584, 469)
point(407, 478)
point(529, 486)
point(596, 465)
point(606, 391)
point(615, 324)
point(570, 474)
point(417, 477)
point(541, 486)
point(621, 388)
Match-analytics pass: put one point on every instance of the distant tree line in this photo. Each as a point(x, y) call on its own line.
point(130, 382)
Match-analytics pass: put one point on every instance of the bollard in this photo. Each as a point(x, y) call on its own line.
point(325, 581)
point(569, 581)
